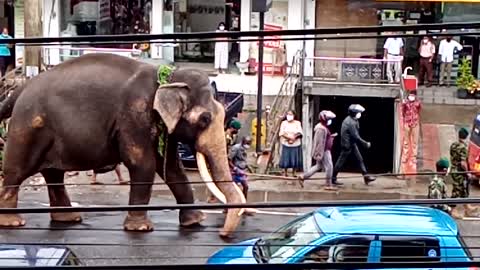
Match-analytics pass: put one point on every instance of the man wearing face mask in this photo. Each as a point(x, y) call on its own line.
point(238, 162)
point(446, 50)
point(411, 125)
point(427, 52)
point(350, 139)
point(321, 149)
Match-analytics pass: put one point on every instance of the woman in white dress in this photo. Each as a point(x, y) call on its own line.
point(221, 51)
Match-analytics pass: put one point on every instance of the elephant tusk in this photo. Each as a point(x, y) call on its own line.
point(207, 178)
point(240, 193)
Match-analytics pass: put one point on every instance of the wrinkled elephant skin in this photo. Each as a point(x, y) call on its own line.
point(99, 110)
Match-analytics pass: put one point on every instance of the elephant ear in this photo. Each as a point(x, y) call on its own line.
point(171, 102)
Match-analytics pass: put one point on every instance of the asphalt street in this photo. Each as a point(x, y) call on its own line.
point(100, 238)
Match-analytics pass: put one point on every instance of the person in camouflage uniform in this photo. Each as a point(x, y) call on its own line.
point(460, 180)
point(438, 188)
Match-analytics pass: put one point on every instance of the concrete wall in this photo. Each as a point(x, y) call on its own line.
point(448, 114)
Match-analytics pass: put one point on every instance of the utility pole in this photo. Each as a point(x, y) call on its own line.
point(33, 28)
point(260, 6)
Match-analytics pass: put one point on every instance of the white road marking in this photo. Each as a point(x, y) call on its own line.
point(471, 218)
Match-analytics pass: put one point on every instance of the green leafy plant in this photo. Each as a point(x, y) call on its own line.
point(163, 73)
point(466, 80)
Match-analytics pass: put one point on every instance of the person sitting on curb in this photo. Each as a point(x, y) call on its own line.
point(438, 188)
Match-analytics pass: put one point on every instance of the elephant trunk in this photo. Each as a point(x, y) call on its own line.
point(211, 150)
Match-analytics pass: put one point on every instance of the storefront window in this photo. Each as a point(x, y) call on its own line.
point(106, 17)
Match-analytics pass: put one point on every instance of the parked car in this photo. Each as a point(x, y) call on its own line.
point(355, 234)
point(233, 103)
point(26, 255)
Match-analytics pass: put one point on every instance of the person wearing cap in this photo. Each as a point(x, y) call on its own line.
point(230, 133)
point(411, 108)
point(350, 139)
point(437, 189)
point(321, 149)
point(460, 179)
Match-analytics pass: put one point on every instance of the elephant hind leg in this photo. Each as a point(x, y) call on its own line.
point(178, 183)
point(58, 196)
point(22, 160)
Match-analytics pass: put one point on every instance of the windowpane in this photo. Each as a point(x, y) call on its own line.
point(418, 250)
point(344, 250)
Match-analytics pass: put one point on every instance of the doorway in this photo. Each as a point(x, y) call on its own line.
point(376, 126)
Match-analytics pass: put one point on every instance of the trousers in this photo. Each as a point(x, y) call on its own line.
point(410, 146)
point(326, 164)
point(344, 154)
point(445, 71)
point(425, 67)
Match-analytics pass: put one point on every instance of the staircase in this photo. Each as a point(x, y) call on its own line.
point(281, 104)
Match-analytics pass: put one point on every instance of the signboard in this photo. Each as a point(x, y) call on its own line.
point(275, 43)
point(104, 10)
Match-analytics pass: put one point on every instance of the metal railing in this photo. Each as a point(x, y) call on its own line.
point(349, 70)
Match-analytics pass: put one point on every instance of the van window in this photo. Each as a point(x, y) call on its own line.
point(343, 250)
point(410, 250)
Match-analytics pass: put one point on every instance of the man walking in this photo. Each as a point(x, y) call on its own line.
point(321, 149)
point(393, 52)
point(350, 138)
point(460, 180)
point(411, 125)
point(427, 52)
point(446, 50)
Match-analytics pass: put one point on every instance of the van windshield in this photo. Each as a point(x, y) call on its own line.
point(286, 241)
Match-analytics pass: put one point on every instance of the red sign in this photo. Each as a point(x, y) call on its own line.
point(273, 42)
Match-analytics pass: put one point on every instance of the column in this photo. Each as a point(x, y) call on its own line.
point(296, 21)
point(310, 15)
point(51, 28)
point(156, 51)
point(245, 16)
point(33, 28)
point(307, 111)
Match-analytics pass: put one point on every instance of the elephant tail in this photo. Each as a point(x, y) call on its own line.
point(6, 106)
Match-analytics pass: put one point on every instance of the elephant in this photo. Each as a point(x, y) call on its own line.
point(98, 110)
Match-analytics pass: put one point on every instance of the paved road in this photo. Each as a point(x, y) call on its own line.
point(175, 245)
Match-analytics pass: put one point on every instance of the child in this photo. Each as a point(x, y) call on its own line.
point(437, 188)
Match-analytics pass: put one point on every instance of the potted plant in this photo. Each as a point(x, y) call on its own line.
point(466, 82)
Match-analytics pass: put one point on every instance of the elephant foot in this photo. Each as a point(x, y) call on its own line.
point(11, 220)
point(137, 223)
point(226, 235)
point(66, 217)
point(191, 217)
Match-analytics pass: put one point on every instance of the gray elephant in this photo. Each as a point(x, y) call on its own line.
point(99, 110)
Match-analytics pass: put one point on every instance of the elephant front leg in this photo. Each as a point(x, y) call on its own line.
point(58, 196)
point(178, 183)
point(141, 179)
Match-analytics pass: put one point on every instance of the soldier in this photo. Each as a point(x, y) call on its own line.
point(438, 188)
point(460, 180)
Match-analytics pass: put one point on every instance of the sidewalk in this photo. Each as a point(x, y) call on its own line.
point(275, 189)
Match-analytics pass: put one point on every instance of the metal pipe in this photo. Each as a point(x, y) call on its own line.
point(258, 140)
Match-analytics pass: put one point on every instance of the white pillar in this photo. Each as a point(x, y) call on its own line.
point(157, 27)
point(245, 16)
point(296, 21)
point(307, 125)
point(51, 28)
point(310, 15)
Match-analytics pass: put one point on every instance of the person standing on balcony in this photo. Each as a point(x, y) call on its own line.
point(411, 125)
point(393, 53)
point(350, 139)
point(221, 51)
point(446, 50)
point(321, 150)
point(291, 139)
point(4, 52)
point(427, 52)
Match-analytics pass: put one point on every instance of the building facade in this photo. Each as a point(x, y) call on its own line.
point(90, 17)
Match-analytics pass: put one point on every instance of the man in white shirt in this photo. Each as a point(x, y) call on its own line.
point(446, 50)
point(393, 52)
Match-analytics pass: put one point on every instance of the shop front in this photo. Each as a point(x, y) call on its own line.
point(342, 13)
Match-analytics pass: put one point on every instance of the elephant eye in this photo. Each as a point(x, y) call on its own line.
point(204, 120)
